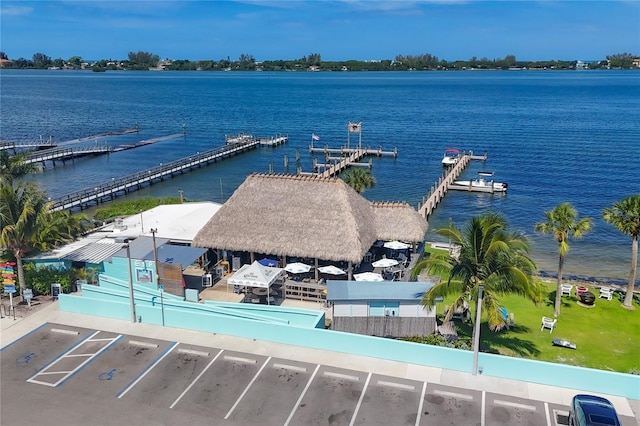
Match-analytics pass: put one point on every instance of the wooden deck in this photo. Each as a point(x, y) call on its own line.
point(349, 157)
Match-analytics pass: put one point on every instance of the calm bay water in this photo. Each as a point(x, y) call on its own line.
point(553, 136)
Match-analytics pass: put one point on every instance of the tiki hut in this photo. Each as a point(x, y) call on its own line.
point(307, 217)
point(398, 221)
point(298, 216)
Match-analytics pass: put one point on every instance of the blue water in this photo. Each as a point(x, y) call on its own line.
point(554, 136)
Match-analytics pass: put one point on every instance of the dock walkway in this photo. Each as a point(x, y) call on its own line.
point(123, 185)
point(71, 153)
point(439, 189)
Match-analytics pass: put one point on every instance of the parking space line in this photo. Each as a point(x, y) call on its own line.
point(454, 394)
point(514, 405)
point(421, 404)
point(240, 359)
point(69, 373)
point(546, 414)
point(290, 367)
point(483, 411)
point(101, 340)
point(145, 372)
point(78, 355)
point(364, 389)
point(304, 391)
point(396, 385)
point(63, 331)
point(341, 376)
point(196, 379)
point(246, 389)
point(24, 337)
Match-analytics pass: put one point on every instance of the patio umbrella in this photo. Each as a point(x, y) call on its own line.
point(331, 270)
point(368, 276)
point(384, 263)
point(268, 262)
point(297, 268)
point(396, 245)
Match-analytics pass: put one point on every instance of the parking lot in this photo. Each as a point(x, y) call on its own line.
point(67, 375)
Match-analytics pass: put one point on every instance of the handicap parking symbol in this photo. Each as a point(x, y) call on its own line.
point(107, 375)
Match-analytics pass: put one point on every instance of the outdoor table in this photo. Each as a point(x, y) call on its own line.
point(260, 291)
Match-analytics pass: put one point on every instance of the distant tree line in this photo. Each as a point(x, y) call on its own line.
point(246, 62)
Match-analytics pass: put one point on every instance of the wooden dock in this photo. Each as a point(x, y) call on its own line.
point(349, 157)
point(107, 191)
point(441, 186)
point(71, 153)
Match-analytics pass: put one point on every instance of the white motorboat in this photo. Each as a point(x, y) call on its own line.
point(480, 184)
point(451, 157)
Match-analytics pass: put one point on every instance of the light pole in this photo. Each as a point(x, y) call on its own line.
point(141, 222)
point(131, 297)
point(476, 334)
point(155, 254)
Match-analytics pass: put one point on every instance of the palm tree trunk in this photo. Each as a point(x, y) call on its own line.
point(628, 298)
point(20, 268)
point(556, 305)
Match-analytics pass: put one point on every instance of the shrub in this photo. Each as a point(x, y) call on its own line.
point(40, 279)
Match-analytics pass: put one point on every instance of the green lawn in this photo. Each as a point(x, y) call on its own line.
point(607, 336)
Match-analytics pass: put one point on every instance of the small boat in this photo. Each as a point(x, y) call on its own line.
point(451, 157)
point(480, 184)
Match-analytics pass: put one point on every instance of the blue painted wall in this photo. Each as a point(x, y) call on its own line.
point(302, 327)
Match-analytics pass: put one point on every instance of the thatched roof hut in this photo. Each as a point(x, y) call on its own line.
point(303, 216)
point(398, 221)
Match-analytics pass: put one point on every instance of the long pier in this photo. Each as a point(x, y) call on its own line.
point(439, 189)
point(49, 143)
point(71, 153)
point(123, 185)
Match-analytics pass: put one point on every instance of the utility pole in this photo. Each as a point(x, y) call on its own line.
point(155, 254)
point(131, 296)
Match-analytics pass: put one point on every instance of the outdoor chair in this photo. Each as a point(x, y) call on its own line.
point(549, 323)
point(507, 317)
point(565, 289)
point(606, 293)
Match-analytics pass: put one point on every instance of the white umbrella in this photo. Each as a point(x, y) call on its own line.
point(368, 276)
point(331, 270)
point(384, 263)
point(396, 245)
point(297, 268)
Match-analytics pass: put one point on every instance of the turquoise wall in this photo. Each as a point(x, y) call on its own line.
point(301, 327)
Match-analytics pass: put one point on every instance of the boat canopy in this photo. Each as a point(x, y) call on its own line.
point(485, 173)
point(452, 150)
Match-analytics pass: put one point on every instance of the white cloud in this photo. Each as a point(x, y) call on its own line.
point(15, 10)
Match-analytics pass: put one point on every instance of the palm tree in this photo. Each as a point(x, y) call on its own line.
point(563, 223)
point(491, 258)
point(359, 179)
point(625, 215)
point(26, 222)
point(13, 167)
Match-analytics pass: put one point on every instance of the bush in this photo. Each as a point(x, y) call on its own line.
point(40, 279)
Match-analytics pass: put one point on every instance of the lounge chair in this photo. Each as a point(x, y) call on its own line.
point(606, 293)
point(549, 323)
point(565, 289)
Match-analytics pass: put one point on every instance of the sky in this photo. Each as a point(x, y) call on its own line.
point(338, 30)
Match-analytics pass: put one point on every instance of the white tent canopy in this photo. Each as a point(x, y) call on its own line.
point(255, 275)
